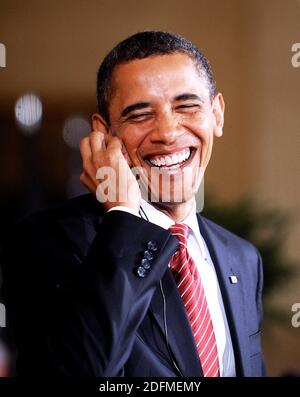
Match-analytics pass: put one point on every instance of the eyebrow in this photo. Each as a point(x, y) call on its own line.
point(188, 96)
point(134, 106)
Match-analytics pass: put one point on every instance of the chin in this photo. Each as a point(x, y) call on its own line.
point(172, 196)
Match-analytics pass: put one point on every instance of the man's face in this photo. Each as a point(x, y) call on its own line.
point(161, 110)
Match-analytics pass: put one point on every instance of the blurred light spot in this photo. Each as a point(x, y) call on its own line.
point(28, 112)
point(75, 128)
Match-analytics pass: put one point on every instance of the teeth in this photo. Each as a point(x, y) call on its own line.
point(168, 160)
point(180, 157)
point(162, 161)
point(171, 159)
point(177, 158)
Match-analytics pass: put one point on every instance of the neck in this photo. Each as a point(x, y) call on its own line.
point(177, 211)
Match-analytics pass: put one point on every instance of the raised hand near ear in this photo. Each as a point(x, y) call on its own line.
point(106, 171)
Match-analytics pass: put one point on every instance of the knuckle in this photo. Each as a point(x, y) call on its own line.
point(97, 159)
point(82, 177)
point(95, 135)
point(111, 155)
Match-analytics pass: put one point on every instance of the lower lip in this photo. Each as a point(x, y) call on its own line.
point(177, 167)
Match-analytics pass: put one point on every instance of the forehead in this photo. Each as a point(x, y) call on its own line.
point(159, 76)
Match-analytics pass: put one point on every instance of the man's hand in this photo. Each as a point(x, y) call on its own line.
point(102, 155)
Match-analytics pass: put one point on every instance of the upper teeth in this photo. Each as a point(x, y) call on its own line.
point(170, 159)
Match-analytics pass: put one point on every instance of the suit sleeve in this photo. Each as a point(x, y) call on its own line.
point(259, 289)
point(84, 322)
point(259, 303)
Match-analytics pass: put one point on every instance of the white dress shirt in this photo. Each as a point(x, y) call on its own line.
point(198, 250)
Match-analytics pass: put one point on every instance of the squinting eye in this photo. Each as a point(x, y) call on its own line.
point(187, 106)
point(139, 117)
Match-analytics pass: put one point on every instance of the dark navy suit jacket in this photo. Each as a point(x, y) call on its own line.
point(76, 306)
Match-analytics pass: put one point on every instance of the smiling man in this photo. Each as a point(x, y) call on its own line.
point(117, 285)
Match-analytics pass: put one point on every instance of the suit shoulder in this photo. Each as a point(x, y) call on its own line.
point(243, 253)
point(40, 240)
point(43, 225)
point(85, 206)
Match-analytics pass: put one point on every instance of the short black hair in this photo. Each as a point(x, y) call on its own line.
point(143, 45)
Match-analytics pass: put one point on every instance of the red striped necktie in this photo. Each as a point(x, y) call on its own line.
point(193, 296)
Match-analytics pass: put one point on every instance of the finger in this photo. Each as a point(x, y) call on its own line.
point(97, 141)
point(85, 151)
point(86, 154)
point(88, 179)
point(98, 147)
point(114, 143)
point(87, 182)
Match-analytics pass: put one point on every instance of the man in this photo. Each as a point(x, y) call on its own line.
point(129, 287)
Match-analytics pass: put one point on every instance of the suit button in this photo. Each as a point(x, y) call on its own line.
point(141, 271)
point(148, 255)
point(145, 263)
point(152, 246)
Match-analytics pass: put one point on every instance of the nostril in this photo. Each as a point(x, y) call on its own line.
point(164, 135)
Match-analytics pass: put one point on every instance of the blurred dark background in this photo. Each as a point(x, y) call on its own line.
point(47, 96)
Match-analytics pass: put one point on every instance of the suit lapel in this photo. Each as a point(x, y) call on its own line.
point(180, 337)
point(226, 265)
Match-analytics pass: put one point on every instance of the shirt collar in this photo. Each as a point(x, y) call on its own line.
point(161, 219)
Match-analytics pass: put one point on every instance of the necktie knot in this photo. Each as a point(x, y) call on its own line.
point(180, 230)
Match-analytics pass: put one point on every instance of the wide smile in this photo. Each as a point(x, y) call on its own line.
point(172, 161)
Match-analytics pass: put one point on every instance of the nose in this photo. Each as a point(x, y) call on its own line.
point(167, 129)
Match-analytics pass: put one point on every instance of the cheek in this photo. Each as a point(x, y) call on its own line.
point(132, 140)
point(200, 125)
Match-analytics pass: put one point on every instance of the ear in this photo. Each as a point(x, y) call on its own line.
point(218, 108)
point(99, 124)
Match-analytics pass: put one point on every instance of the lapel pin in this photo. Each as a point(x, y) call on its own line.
point(233, 279)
